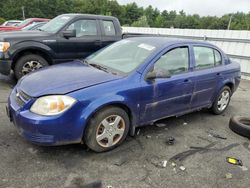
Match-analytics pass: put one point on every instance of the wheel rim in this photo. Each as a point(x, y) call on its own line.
point(31, 66)
point(223, 100)
point(110, 131)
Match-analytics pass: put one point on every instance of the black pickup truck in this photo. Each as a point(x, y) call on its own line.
point(66, 37)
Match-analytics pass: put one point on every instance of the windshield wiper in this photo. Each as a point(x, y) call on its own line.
point(98, 66)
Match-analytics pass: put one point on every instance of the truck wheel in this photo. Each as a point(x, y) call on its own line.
point(222, 101)
point(29, 63)
point(107, 129)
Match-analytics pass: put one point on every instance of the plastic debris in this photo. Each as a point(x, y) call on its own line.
point(160, 125)
point(138, 132)
point(148, 136)
point(229, 176)
point(173, 164)
point(32, 150)
point(185, 123)
point(182, 168)
point(243, 168)
point(215, 135)
point(164, 163)
point(234, 161)
point(97, 184)
point(170, 140)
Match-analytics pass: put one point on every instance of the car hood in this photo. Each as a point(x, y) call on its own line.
point(22, 35)
point(62, 79)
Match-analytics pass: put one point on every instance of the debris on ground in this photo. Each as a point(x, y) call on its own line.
point(148, 136)
point(164, 163)
point(32, 150)
point(243, 168)
point(173, 164)
point(185, 123)
point(170, 140)
point(97, 184)
point(121, 161)
point(234, 161)
point(215, 135)
point(160, 125)
point(229, 176)
point(182, 168)
point(193, 150)
point(137, 132)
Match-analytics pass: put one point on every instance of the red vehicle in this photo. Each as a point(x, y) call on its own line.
point(22, 24)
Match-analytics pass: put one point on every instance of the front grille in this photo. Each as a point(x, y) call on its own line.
point(21, 97)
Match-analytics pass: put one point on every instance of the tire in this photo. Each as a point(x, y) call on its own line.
point(96, 130)
point(240, 125)
point(216, 109)
point(29, 63)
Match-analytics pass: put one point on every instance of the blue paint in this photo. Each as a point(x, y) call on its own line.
point(93, 89)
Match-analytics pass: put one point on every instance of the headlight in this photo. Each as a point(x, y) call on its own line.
point(52, 105)
point(4, 46)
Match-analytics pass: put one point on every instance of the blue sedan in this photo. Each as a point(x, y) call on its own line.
point(131, 83)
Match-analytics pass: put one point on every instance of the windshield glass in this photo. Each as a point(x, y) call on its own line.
point(123, 56)
point(28, 27)
point(56, 24)
point(24, 22)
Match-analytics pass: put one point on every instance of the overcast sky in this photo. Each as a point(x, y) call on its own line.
point(201, 7)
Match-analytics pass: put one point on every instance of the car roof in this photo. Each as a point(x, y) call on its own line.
point(90, 16)
point(159, 41)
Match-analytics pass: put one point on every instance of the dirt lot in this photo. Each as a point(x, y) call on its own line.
point(138, 162)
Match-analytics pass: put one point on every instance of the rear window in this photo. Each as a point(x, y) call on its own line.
point(109, 28)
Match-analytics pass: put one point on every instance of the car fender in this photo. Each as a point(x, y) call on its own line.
point(101, 103)
point(29, 45)
point(223, 83)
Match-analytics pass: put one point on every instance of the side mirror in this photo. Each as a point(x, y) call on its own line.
point(69, 33)
point(153, 75)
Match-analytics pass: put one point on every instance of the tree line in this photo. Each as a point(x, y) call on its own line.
point(129, 15)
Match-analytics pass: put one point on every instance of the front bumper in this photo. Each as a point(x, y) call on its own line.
point(5, 66)
point(63, 129)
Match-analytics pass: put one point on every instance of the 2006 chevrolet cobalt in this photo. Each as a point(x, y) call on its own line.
point(130, 83)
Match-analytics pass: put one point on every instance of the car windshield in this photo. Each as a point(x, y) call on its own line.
point(28, 27)
point(122, 57)
point(24, 22)
point(56, 24)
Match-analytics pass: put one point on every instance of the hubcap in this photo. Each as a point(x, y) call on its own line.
point(31, 66)
point(110, 131)
point(223, 100)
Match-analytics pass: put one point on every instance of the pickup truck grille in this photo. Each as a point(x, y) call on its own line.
point(21, 98)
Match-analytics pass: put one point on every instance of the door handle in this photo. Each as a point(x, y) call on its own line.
point(187, 81)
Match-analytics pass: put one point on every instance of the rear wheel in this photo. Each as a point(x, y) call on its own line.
point(107, 129)
point(29, 63)
point(222, 101)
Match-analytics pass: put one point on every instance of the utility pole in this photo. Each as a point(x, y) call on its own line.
point(229, 23)
point(23, 12)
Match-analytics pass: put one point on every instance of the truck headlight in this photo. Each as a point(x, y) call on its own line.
point(52, 105)
point(4, 46)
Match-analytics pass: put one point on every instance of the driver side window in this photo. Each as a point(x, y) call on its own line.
point(173, 62)
point(84, 28)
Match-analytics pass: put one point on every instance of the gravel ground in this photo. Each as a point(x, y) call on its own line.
point(138, 162)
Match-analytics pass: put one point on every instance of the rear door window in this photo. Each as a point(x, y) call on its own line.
point(206, 57)
point(109, 28)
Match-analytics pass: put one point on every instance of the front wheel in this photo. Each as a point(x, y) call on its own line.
point(107, 129)
point(29, 63)
point(222, 101)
